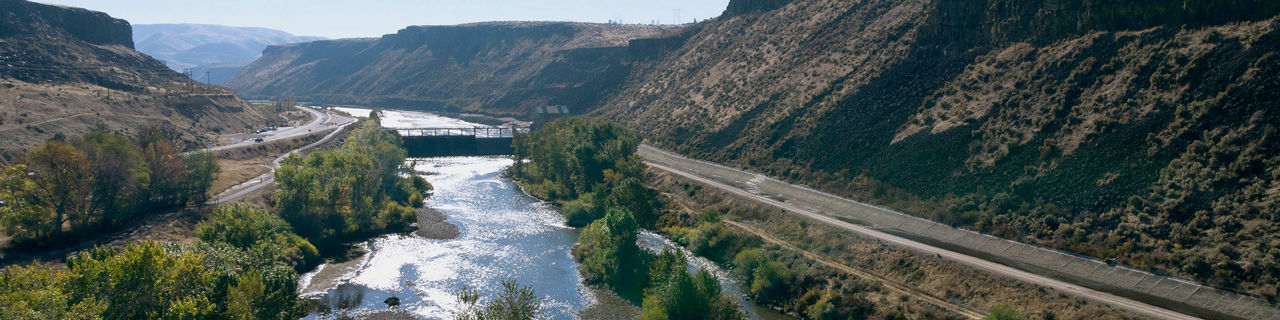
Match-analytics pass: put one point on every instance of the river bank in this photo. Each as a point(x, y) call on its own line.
point(477, 228)
point(501, 233)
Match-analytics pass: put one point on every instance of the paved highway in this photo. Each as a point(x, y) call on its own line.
point(324, 121)
point(663, 160)
point(321, 121)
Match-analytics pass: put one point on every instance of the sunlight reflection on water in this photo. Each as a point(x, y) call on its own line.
point(503, 233)
point(411, 119)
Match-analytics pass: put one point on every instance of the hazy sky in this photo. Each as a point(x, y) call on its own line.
point(371, 18)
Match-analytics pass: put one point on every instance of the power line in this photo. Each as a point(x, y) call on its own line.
point(88, 69)
point(111, 70)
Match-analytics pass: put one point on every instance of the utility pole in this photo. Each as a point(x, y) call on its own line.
point(190, 86)
point(677, 15)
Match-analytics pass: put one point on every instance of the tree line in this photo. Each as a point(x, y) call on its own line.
point(245, 261)
point(67, 188)
point(242, 267)
point(360, 189)
point(590, 167)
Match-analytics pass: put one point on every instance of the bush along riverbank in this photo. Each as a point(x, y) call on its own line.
point(589, 168)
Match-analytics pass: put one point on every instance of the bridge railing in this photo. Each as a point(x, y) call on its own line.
point(478, 132)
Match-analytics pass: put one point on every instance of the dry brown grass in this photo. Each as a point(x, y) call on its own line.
point(242, 164)
point(235, 172)
point(32, 113)
point(955, 283)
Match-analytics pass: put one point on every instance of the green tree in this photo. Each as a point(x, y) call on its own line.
point(677, 294)
point(245, 296)
point(577, 153)
point(328, 196)
point(245, 228)
point(143, 281)
point(607, 254)
point(263, 295)
point(63, 180)
point(168, 171)
point(394, 216)
point(202, 170)
point(384, 149)
point(120, 176)
point(148, 280)
point(1003, 312)
point(23, 215)
point(516, 302)
point(767, 280)
point(631, 193)
point(711, 239)
point(37, 292)
point(100, 180)
point(337, 195)
point(831, 305)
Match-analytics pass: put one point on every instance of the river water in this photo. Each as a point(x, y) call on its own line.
point(503, 234)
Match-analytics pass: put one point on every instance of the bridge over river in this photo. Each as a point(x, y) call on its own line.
point(446, 142)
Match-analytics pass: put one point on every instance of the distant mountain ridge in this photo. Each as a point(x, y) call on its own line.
point(219, 50)
point(497, 66)
point(69, 70)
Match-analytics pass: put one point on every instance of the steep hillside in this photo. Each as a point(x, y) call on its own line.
point(68, 70)
point(507, 66)
point(1141, 131)
point(218, 50)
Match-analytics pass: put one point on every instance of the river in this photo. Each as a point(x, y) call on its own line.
point(503, 234)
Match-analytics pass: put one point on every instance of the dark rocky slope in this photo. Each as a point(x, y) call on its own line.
point(508, 66)
point(69, 70)
point(1141, 131)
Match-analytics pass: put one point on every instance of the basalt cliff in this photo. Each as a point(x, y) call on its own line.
point(497, 67)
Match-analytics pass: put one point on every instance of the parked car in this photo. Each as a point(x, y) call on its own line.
point(257, 140)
